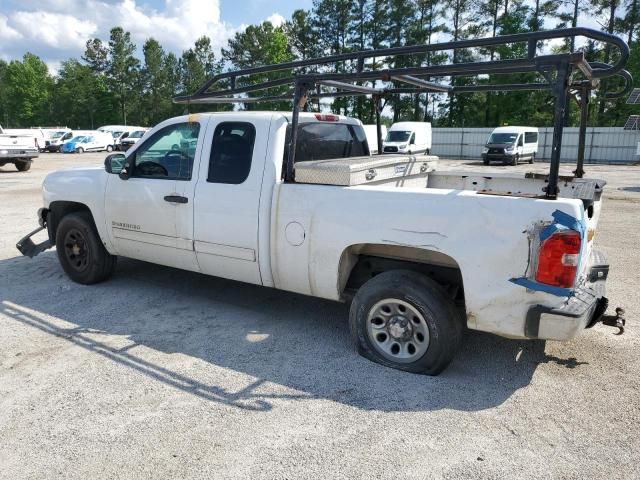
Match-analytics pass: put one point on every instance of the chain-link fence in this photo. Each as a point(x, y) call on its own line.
point(603, 144)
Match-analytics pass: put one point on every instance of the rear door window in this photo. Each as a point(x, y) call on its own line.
point(322, 141)
point(231, 153)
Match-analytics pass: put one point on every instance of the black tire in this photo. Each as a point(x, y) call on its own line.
point(485, 161)
point(79, 150)
point(23, 166)
point(424, 296)
point(533, 158)
point(80, 250)
point(109, 148)
point(515, 159)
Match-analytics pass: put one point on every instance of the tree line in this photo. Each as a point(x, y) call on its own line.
point(113, 82)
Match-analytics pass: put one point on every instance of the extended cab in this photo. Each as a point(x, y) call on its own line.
point(205, 193)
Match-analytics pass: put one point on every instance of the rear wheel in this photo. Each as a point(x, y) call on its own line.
point(404, 320)
point(533, 158)
point(23, 166)
point(80, 250)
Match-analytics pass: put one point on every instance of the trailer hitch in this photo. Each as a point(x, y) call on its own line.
point(617, 320)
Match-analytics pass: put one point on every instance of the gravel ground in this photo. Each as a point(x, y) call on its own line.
point(160, 373)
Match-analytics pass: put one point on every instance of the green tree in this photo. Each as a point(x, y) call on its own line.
point(122, 69)
point(4, 94)
point(81, 97)
point(302, 37)
point(261, 45)
point(28, 89)
point(156, 96)
point(96, 55)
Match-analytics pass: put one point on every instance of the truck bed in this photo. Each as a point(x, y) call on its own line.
point(420, 171)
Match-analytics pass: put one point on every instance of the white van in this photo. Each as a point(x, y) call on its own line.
point(57, 138)
point(511, 145)
point(408, 137)
point(88, 141)
point(119, 132)
point(372, 136)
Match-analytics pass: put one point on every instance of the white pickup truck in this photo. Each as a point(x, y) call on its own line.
point(418, 256)
point(18, 148)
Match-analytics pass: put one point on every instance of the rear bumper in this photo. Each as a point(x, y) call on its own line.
point(583, 309)
point(17, 155)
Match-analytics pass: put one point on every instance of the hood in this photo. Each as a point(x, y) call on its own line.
point(75, 184)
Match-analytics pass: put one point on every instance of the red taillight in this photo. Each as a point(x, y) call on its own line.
point(327, 117)
point(558, 259)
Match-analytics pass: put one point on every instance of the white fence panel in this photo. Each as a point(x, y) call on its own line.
point(602, 145)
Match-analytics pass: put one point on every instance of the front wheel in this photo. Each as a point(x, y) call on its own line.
point(109, 148)
point(23, 166)
point(515, 159)
point(79, 150)
point(404, 320)
point(80, 251)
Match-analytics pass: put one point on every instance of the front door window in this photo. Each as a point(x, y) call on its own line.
point(169, 153)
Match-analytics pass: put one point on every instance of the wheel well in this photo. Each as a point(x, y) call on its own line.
point(58, 209)
point(360, 263)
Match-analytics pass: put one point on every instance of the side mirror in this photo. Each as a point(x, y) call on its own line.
point(114, 163)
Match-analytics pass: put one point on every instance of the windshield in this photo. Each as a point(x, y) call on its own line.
point(116, 134)
point(56, 135)
point(137, 134)
point(78, 139)
point(502, 138)
point(398, 136)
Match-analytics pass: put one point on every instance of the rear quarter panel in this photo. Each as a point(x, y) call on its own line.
point(487, 236)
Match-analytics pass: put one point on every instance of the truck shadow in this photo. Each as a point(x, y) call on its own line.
point(296, 342)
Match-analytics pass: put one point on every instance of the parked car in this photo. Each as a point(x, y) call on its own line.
point(408, 137)
point(89, 142)
point(119, 133)
point(19, 149)
point(511, 145)
point(56, 139)
point(372, 136)
point(386, 234)
point(131, 139)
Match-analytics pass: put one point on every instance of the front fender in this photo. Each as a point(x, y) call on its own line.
point(67, 190)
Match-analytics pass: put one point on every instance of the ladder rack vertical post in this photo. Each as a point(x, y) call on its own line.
point(377, 105)
point(585, 93)
point(298, 98)
point(560, 89)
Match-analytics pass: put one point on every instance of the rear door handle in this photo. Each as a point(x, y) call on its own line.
point(176, 199)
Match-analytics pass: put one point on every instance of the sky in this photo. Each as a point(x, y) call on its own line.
point(58, 29)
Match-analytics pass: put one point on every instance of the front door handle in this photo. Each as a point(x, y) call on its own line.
point(176, 199)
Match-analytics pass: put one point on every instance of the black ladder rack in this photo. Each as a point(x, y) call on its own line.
point(558, 74)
